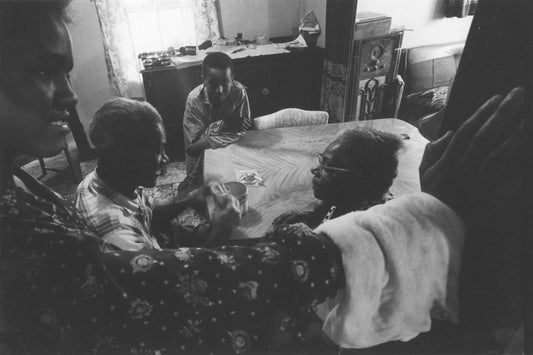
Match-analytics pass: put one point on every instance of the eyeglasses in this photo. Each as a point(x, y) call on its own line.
point(332, 168)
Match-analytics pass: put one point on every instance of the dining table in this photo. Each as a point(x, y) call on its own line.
point(284, 157)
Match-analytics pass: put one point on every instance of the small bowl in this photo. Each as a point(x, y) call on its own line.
point(240, 192)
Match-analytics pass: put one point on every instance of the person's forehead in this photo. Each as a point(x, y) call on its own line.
point(218, 73)
point(337, 154)
point(332, 149)
point(48, 41)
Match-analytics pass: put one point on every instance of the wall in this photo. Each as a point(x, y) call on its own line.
point(273, 18)
point(89, 76)
point(251, 17)
point(424, 17)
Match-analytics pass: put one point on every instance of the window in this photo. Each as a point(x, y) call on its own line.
point(130, 27)
point(158, 24)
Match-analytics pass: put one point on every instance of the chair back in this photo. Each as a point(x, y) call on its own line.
point(291, 117)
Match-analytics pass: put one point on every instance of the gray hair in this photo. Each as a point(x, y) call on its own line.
point(374, 154)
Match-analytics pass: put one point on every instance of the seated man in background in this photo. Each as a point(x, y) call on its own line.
point(353, 173)
point(129, 138)
point(217, 113)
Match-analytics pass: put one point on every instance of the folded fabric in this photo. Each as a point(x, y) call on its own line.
point(402, 261)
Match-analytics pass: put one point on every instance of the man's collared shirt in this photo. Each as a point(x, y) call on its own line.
point(202, 121)
point(117, 219)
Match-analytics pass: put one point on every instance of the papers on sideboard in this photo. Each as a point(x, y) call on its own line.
point(188, 58)
point(265, 49)
point(235, 52)
point(243, 51)
point(299, 42)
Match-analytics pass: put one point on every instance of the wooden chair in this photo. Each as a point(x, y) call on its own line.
point(70, 162)
point(291, 117)
point(24, 159)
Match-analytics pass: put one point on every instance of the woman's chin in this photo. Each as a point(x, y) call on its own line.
point(318, 193)
point(325, 195)
point(46, 142)
point(148, 181)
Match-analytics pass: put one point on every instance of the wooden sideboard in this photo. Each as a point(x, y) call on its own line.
point(273, 82)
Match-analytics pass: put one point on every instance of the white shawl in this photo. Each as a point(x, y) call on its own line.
point(401, 261)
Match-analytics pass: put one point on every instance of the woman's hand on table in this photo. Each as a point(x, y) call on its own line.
point(227, 210)
point(226, 214)
point(461, 168)
point(211, 188)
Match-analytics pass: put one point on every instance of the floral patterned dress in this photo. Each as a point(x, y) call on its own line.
point(63, 291)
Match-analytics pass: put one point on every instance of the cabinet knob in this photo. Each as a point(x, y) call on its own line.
point(265, 91)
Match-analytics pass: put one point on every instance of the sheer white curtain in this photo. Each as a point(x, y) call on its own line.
point(130, 27)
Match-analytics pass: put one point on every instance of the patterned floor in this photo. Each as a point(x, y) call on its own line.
point(63, 180)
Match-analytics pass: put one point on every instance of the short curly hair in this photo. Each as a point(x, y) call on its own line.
point(374, 155)
point(122, 128)
point(217, 60)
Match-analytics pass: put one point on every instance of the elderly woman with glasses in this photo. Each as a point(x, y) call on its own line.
point(353, 173)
